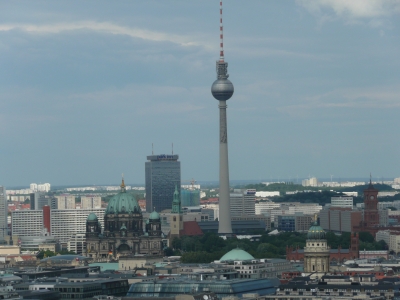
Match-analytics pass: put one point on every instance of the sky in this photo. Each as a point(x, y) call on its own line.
point(87, 87)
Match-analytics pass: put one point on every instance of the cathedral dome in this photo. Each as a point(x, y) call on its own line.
point(316, 232)
point(92, 217)
point(122, 203)
point(154, 216)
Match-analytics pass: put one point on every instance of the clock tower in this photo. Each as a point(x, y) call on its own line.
point(371, 213)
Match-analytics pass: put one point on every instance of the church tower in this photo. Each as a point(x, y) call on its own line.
point(316, 252)
point(176, 216)
point(371, 213)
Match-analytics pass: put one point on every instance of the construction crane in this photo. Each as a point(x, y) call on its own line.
point(192, 182)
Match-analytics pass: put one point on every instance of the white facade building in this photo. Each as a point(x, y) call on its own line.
point(305, 208)
point(313, 181)
point(264, 207)
point(77, 243)
point(45, 187)
point(27, 222)
point(342, 202)
point(63, 201)
point(90, 202)
point(263, 194)
point(242, 202)
point(67, 222)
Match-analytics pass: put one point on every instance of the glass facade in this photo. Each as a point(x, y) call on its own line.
point(222, 288)
point(286, 223)
point(162, 173)
point(190, 198)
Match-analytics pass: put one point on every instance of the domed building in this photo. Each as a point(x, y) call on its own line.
point(123, 233)
point(317, 251)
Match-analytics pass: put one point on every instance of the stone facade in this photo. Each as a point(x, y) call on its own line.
point(123, 233)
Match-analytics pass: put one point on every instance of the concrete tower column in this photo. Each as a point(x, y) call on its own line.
point(225, 226)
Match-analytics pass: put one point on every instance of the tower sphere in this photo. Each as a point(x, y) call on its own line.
point(222, 89)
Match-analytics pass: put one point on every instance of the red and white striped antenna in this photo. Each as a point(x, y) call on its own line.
point(221, 32)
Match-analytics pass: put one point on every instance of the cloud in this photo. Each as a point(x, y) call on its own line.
point(109, 28)
point(352, 10)
point(353, 98)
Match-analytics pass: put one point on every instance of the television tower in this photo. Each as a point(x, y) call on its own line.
point(222, 90)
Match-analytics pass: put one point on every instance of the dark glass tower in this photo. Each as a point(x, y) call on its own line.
point(163, 173)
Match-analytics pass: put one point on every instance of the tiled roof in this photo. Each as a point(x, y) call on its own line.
point(191, 228)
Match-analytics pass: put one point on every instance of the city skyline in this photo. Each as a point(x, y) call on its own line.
point(88, 88)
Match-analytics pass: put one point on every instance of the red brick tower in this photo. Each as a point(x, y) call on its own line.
point(354, 245)
point(371, 213)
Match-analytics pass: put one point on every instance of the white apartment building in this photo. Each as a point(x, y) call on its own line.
point(45, 187)
point(242, 202)
point(27, 222)
point(305, 208)
point(63, 201)
point(3, 212)
point(263, 194)
point(394, 243)
point(390, 237)
point(90, 202)
point(77, 243)
point(263, 207)
point(342, 202)
point(313, 181)
point(67, 222)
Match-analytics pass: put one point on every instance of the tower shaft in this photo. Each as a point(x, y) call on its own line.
point(225, 226)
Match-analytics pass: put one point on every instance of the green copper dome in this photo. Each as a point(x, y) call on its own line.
point(237, 254)
point(154, 215)
point(316, 232)
point(92, 217)
point(122, 203)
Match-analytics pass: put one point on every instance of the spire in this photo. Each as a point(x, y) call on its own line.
point(123, 189)
point(221, 34)
point(370, 182)
point(176, 202)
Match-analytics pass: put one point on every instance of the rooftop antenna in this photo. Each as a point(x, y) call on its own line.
point(152, 149)
point(221, 34)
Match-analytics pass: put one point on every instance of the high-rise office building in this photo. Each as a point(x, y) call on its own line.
point(163, 173)
point(242, 202)
point(3, 212)
point(38, 200)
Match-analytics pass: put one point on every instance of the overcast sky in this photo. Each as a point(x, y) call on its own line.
point(86, 87)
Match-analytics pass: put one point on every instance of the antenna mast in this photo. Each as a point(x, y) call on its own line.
point(221, 33)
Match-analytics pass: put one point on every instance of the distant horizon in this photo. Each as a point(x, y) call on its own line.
point(215, 182)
